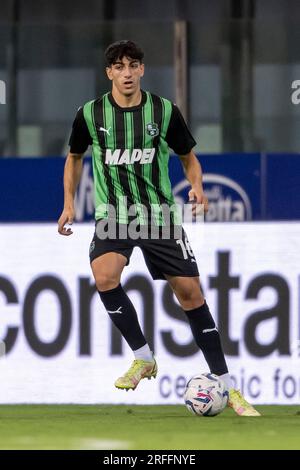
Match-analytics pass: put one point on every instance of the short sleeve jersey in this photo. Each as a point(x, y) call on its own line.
point(130, 150)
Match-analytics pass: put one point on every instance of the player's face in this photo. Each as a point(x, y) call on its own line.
point(126, 74)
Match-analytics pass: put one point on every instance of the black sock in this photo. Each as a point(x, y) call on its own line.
point(208, 341)
point(122, 313)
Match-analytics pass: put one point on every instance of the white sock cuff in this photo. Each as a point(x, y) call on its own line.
point(227, 379)
point(144, 353)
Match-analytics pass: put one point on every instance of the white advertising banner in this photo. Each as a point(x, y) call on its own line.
point(59, 341)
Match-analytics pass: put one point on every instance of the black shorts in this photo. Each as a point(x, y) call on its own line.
point(172, 256)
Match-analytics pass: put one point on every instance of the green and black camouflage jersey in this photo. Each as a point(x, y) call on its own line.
point(130, 151)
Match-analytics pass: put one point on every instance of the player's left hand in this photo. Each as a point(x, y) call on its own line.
point(199, 200)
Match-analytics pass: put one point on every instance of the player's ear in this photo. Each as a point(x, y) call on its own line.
point(109, 73)
point(142, 69)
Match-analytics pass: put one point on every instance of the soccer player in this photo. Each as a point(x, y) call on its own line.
point(130, 131)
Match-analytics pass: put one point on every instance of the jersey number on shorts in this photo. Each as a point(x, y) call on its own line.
point(186, 249)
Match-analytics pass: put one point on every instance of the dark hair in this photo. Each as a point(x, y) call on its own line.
point(120, 49)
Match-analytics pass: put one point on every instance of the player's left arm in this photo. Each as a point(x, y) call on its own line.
point(180, 139)
point(193, 172)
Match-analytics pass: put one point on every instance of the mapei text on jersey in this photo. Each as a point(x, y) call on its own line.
point(119, 157)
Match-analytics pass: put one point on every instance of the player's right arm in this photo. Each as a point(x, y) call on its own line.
point(72, 174)
point(79, 141)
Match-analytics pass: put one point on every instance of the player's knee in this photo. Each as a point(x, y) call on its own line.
point(190, 296)
point(106, 281)
point(190, 299)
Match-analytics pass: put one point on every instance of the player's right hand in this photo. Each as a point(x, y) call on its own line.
point(66, 217)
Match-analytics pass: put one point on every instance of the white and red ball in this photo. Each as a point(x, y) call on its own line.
point(206, 395)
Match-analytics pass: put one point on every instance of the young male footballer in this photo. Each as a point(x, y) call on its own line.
point(130, 131)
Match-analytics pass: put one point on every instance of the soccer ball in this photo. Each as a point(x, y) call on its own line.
point(206, 395)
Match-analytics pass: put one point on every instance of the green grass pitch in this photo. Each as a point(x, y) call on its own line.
point(144, 427)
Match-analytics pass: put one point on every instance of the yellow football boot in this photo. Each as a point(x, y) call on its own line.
point(238, 403)
point(139, 370)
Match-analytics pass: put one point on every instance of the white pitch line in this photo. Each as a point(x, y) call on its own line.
point(102, 444)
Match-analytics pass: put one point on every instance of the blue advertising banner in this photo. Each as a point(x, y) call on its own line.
point(232, 183)
point(31, 189)
point(240, 187)
point(282, 200)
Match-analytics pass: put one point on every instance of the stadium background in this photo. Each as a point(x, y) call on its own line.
point(232, 67)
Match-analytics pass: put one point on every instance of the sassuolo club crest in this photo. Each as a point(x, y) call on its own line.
point(152, 129)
